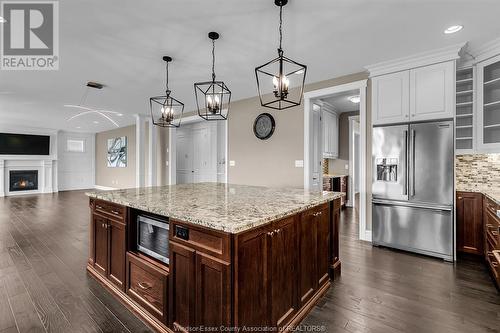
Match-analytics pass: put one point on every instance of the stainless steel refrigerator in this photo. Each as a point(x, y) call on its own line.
point(413, 186)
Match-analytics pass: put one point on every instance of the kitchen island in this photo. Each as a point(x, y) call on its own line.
point(239, 256)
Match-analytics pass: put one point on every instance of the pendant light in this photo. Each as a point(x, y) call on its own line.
point(212, 97)
point(276, 78)
point(166, 111)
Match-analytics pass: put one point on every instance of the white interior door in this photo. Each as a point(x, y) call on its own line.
point(197, 153)
point(184, 156)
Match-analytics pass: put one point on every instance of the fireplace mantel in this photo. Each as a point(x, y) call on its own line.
point(47, 172)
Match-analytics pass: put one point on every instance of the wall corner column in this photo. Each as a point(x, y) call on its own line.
point(140, 129)
point(152, 167)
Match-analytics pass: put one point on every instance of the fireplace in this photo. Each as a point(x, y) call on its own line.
point(23, 180)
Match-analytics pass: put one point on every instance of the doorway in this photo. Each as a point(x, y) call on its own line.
point(198, 152)
point(311, 134)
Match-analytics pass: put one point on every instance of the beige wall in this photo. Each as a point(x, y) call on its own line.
point(115, 177)
point(271, 162)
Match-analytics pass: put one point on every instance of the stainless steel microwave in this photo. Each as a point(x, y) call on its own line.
point(152, 237)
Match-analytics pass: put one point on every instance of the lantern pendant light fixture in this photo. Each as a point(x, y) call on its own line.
point(276, 77)
point(166, 111)
point(212, 97)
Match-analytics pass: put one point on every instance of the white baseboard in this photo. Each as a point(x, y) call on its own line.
point(104, 188)
point(367, 236)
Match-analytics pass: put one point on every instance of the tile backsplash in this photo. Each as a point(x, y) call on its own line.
point(477, 172)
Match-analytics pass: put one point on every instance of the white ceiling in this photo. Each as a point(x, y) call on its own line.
point(120, 43)
point(341, 102)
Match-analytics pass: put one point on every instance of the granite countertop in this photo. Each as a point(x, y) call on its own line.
point(224, 207)
point(490, 192)
point(333, 175)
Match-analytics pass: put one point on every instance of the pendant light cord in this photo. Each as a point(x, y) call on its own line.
point(213, 60)
point(280, 50)
point(166, 79)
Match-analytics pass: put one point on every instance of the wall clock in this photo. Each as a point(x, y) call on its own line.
point(264, 125)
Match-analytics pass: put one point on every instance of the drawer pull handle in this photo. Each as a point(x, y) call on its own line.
point(115, 212)
point(270, 233)
point(317, 214)
point(144, 285)
point(494, 264)
point(98, 207)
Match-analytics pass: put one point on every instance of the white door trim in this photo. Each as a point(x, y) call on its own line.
point(308, 96)
point(351, 193)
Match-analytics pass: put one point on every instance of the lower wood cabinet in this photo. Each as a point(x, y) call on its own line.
point(200, 288)
point(313, 273)
point(282, 268)
point(109, 249)
point(147, 284)
point(470, 223)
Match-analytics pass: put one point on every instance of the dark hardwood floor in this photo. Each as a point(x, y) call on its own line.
point(44, 286)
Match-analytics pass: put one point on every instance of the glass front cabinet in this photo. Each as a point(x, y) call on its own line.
point(488, 105)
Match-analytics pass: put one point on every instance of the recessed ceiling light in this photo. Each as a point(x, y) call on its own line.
point(453, 29)
point(354, 99)
point(2, 20)
point(96, 122)
point(78, 127)
point(119, 114)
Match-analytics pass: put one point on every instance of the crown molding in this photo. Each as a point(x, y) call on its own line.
point(486, 51)
point(417, 60)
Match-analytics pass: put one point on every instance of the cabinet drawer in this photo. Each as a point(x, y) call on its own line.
point(491, 207)
point(492, 230)
point(109, 209)
point(147, 285)
point(494, 264)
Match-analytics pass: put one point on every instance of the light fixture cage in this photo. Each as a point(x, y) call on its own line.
point(213, 91)
point(166, 111)
point(158, 105)
point(280, 82)
point(276, 68)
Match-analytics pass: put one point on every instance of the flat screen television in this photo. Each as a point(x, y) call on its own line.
point(24, 144)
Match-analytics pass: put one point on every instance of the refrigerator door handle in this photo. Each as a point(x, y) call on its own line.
point(412, 163)
point(405, 169)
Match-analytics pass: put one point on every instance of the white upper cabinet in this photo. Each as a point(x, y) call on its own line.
point(391, 98)
point(488, 105)
point(415, 88)
point(432, 92)
point(330, 122)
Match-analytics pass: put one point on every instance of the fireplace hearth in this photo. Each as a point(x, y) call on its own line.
point(23, 180)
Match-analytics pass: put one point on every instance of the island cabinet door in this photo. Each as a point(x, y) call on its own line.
point(100, 243)
point(251, 280)
point(182, 287)
point(213, 293)
point(322, 245)
point(308, 248)
point(116, 253)
point(283, 264)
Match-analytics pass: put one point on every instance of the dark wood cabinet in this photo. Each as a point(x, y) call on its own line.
point(308, 247)
point(283, 266)
point(251, 282)
point(116, 252)
point(322, 245)
point(182, 286)
point(269, 276)
point(334, 239)
point(109, 249)
point(470, 223)
point(213, 292)
point(100, 242)
point(314, 245)
point(147, 284)
point(339, 184)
